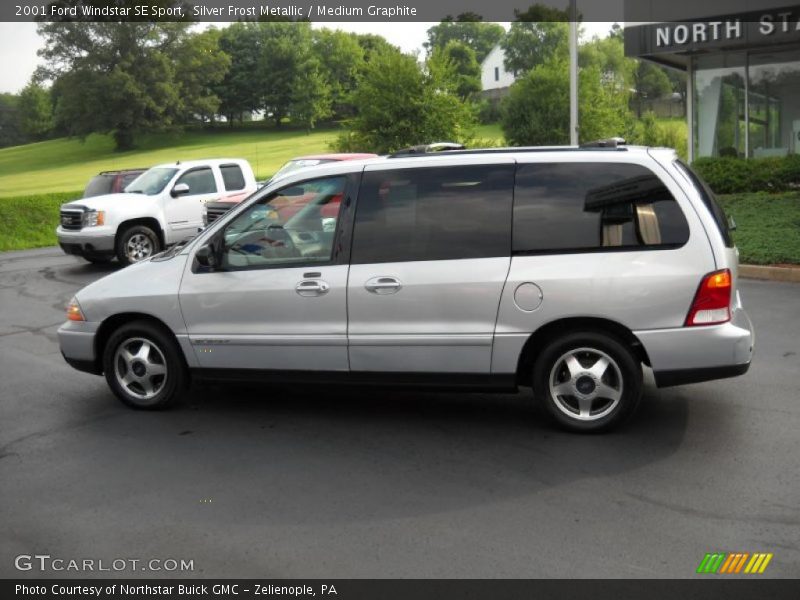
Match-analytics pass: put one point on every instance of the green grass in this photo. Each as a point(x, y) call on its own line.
point(67, 164)
point(767, 227)
point(30, 221)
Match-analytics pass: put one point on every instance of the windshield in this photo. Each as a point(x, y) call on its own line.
point(152, 181)
point(99, 185)
point(300, 163)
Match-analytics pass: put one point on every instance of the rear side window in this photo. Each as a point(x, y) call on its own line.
point(232, 177)
point(99, 185)
point(709, 200)
point(585, 207)
point(200, 181)
point(443, 213)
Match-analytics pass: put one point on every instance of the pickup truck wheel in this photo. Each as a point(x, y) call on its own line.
point(136, 244)
point(590, 381)
point(144, 367)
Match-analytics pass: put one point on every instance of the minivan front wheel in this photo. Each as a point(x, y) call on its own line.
point(143, 366)
point(589, 381)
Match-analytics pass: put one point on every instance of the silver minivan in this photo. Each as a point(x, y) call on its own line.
point(560, 269)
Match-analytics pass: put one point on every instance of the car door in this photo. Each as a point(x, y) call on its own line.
point(431, 251)
point(278, 300)
point(184, 212)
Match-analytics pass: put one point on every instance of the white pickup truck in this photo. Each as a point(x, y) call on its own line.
point(161, 207)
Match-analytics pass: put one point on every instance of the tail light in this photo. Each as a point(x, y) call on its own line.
point(712, 301)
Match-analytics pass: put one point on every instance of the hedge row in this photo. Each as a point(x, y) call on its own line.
point(730, 175)
point(31, 221)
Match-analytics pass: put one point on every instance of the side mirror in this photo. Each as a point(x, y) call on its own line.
point(179, 190)
point(206, 257)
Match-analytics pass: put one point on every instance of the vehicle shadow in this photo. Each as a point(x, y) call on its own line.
point(373, 453)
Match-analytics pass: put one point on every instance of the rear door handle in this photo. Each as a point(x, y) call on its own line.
point(311, 287)
point(383, 285)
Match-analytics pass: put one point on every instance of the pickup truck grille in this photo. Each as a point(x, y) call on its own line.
point(72, 219)
point(215, 212)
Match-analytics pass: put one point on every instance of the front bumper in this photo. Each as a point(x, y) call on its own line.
point(87, 242)
point(76, 340)
point(694, 354)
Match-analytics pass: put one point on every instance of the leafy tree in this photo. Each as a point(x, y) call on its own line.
point(536, 111)
point(461, 68)
point(311, 93)
point(11, 133)
point(35, 111)
point(400, 105)
point(537, 35)
point(240, 90)
point(467, 28)
point(649, 81)
point(373, 44)
point(200, 65)
point(341, 59)
point(113, 77)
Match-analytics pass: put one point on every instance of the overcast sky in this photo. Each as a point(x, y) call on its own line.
point(19, 43)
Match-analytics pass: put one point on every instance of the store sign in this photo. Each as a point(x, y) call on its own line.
point(751, 29)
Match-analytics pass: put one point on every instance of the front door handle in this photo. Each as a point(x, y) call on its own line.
point(383, 285)
point(312, 287)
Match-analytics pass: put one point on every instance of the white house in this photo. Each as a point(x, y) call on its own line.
point(493, 71)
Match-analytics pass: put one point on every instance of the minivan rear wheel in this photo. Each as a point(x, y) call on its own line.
point(143, 366)
point(589, 381)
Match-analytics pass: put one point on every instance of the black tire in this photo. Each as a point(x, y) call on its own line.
point(146, 242)
point(166, 389)
point(99, 260)
point(591, 404)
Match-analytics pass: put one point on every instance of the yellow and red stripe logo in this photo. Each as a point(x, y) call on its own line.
point(727, 563)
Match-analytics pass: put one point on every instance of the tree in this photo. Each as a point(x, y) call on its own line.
point(400, 105)
point(373, 44)
point(311, 93)
point(537, 35)
point(239, 91)
point(536, 111)
point(11, 133)
point(35, 111)
point(650, 81)
point(200, 65)
point(341, 59)
point(467, 28)
point(113, 77)
point(461, 68)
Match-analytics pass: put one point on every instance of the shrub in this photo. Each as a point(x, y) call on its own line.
point(649, 131)
point(31, 221)
point(727, 175)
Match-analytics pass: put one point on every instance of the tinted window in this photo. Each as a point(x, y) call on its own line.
point(292, 226)
point(434, 214)
point(590, 206)
point(709, 200)
point(98, 185)
point(128, 178)
point(233, 177)
point(200, 181)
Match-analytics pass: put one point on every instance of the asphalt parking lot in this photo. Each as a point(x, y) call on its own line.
point(263, 481)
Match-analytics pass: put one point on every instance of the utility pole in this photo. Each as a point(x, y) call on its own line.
point(573, 72)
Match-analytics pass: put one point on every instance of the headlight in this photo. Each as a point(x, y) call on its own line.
point(74, 312)
point(94, 218)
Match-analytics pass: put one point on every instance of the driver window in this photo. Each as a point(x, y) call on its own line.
point(294, 225)
point(200, 181)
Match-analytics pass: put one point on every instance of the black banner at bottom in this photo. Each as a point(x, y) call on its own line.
point(390, 589)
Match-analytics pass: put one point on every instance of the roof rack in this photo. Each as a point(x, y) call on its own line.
point(614, 142)
point(428, 148)
point(518, 149)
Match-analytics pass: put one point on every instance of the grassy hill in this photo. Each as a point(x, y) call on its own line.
point(67, 164)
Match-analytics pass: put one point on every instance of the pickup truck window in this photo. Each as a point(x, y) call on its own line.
point(200, 181)
point(152, 181)
point(232, 177)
